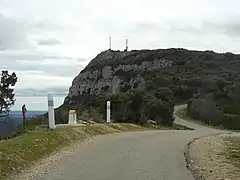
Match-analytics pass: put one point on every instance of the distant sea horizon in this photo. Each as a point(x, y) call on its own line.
point(17, 115)
point(15, 119)
point(36, 103)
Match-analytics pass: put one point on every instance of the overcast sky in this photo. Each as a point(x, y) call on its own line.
point(47, 43)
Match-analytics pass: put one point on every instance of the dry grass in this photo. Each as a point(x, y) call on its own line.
point(213, 159)
point(232, 150)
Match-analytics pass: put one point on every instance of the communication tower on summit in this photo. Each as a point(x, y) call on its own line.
point(126, 45)
point(110, 43)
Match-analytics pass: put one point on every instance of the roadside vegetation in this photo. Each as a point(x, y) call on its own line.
point(183, 113)
point(134, 106)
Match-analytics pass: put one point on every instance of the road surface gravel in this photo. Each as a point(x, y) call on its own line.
point(148, 155)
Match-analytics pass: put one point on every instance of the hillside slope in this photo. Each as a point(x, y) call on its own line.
point(163, 77)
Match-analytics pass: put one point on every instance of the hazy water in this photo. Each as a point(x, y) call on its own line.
point(15, 119)
point(35, 106)
point(36, 103)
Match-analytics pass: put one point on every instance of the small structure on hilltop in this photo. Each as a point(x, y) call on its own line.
point(110, 43)
point(126, 49)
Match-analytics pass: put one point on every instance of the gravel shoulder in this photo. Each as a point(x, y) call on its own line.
point(212, 156)
point(207, 159)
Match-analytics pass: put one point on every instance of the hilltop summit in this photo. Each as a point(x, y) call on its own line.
point(206, 78)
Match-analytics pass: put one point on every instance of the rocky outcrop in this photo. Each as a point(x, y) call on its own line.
point(209, 81)
point(113, 71)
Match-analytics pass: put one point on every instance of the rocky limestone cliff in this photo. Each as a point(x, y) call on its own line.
point(111, 72)
point(168, 76)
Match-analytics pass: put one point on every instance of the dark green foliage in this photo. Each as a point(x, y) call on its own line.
point(209, 79)
point(125, 87)
point(159, 110)
point(138, 106)
point(6, 92)
point(126, 75)
point(135, 85)
point(183, 92)
point(215, 114)
point(164, 93)
point(99, 77)
point(106, 88)
point(37, 120)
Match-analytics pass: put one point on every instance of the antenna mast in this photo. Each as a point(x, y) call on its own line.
point(126, 45)
point(110, 42)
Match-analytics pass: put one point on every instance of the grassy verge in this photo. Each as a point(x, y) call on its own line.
point(232, 151)
point(21, 152)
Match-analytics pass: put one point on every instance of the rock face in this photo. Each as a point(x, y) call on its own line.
point(111, 72)
point(208, 81)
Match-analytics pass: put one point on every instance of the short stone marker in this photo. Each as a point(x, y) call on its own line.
point(72, 119)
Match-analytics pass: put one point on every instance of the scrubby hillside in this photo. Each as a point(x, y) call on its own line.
point(145, 84)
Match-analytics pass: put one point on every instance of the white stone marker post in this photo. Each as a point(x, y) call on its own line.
point(72, 118)
point(51, 118)
point(108, 112)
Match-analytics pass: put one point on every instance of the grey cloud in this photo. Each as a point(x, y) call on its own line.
point(25, 62)
point(144, 26)
point(169, 26)
point(229, 26)
point(12, 33)
point(49, 42)
point(181, 26)
point(111, 26)
point(45, 26)
point(195, 27)
point(39, 27)
point(11, 56)
point(233, 29)
point(69, 70)
point(56, 91)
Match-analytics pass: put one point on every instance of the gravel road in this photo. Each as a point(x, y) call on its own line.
point(148, 155)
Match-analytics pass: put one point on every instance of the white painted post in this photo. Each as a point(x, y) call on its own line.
point(108, 112)
point(72, 118)
point(51, 118)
